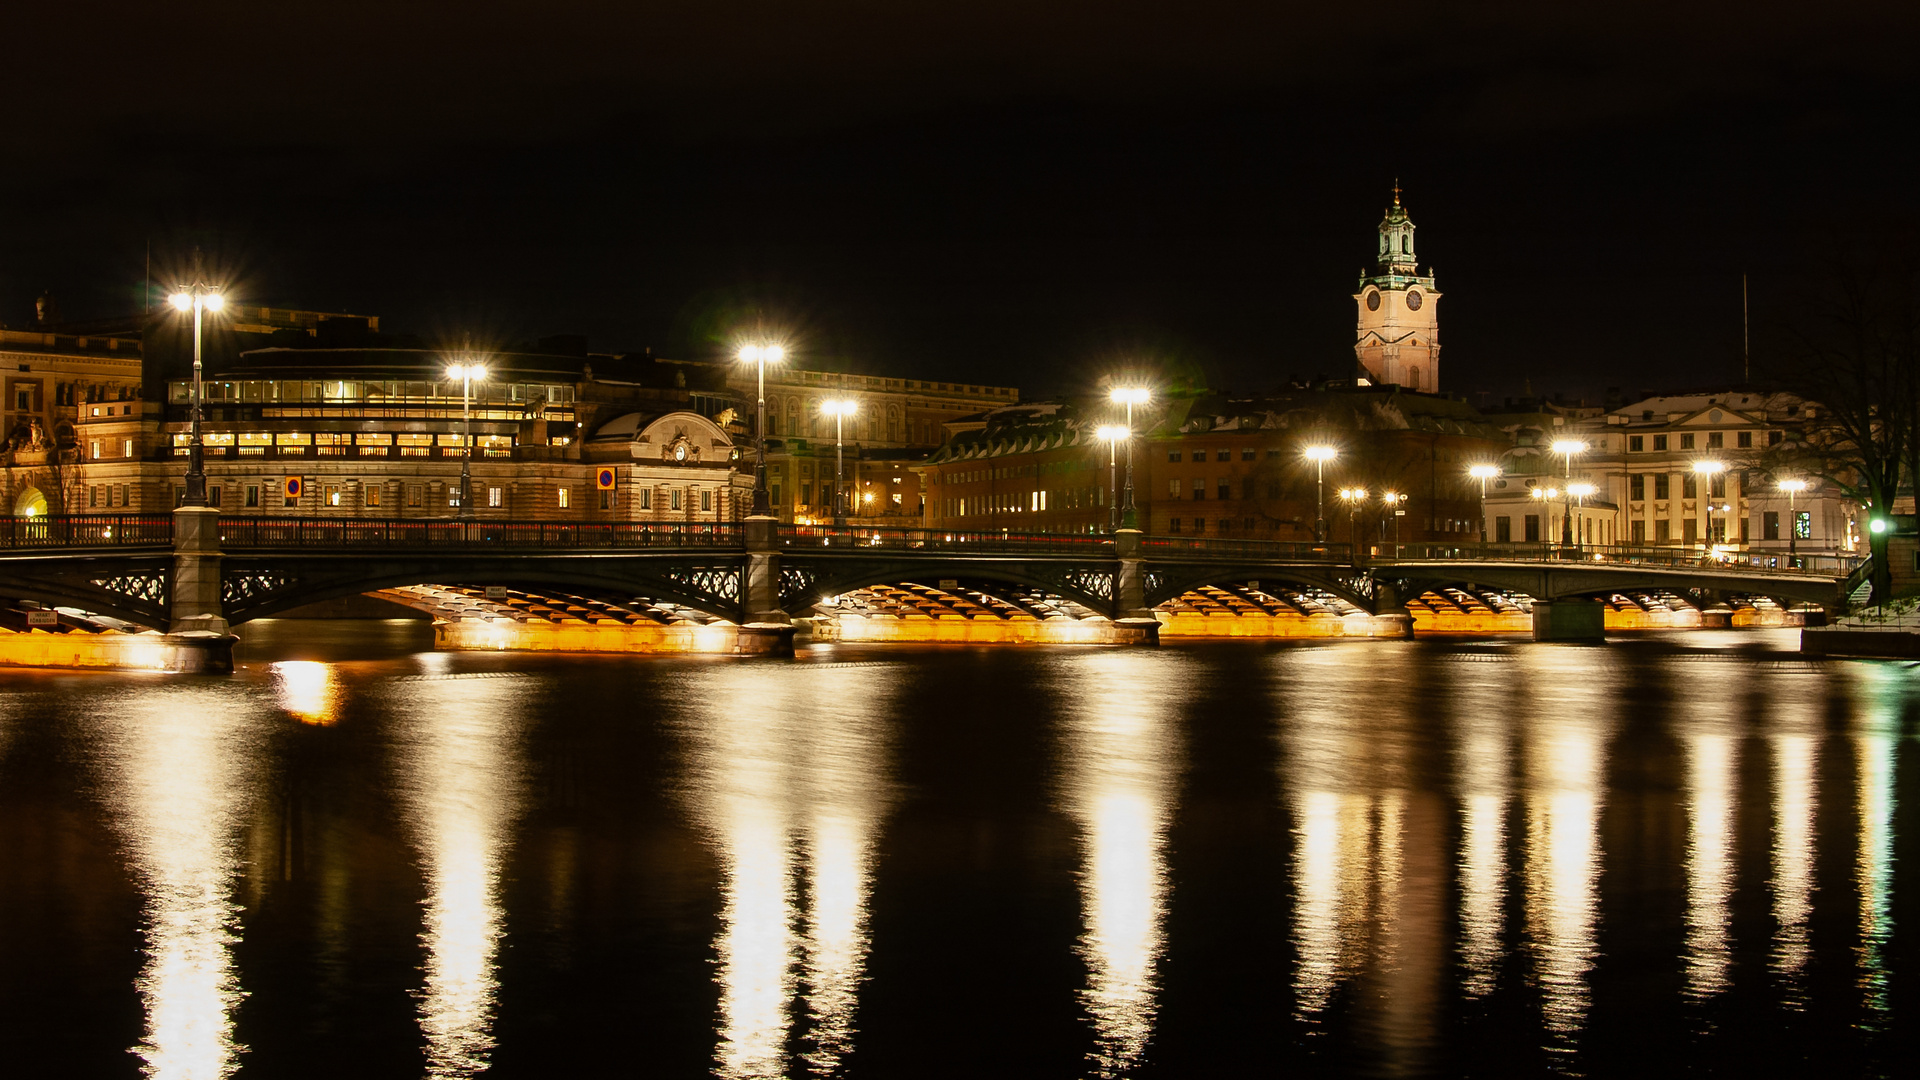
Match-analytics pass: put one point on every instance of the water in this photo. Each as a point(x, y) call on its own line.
point(1686, 852)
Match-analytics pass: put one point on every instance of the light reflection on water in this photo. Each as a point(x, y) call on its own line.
point(1712, 758)
point(1482, 723)
point(182, 773)
point(1121, 772)
point(1880, 693)
point(460, 777)
point(790, 766)
point(1793, 740)
point(1564, 747)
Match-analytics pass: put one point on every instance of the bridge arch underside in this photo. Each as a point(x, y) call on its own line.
point(621, 588)
point(129, 590)
point(1306, 589)
point(1058, 588)
point(1640, 587)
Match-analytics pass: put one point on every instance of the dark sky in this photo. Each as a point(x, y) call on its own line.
point(1022, 193)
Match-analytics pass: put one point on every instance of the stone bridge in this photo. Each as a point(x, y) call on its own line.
point(197, 572)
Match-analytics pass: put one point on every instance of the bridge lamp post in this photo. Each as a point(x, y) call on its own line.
point(1320, 455)
point(1567, 448)
point(1114, 435)
point(1580, 491)
point(1129, 396)
point(198, 298)
point(760, 356)
point(1793, 488)
point(1483, 473)
point(1396, 500)
point(1353, 497)
point(467, 372)
point(839, 410)
point(1546, 495)
point(1706, 471)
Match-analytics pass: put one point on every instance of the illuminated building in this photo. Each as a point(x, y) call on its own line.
point(1398, 337)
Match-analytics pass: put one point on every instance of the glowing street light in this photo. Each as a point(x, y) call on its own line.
point(467, 372)
point(1567, 448)
point(1483, 473)
point(1706, 471)
point(1320, 455)
point(1353, 497)
point(1129, 396)
point(1793, 487)
point(197, 298)
point(1113, 435)
point(1396, 500)
point(760, 356)
point(839, 410)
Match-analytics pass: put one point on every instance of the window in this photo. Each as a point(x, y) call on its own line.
point(644, 505)
point(606, 500)
point(1716, 440)
point(289, 501)
point(94, 446)
point(415, 445)
point(93, 495)
point(1686, 441)
point(253, 495)
point(1199, 490)
point(1638, 532)
point(1659, 442)
point(1688, 488)
point(1690, 531)
point(1224, 526)
point(1173, 489)
point(1173, 525)
point(1770, 525)
point(330, 445)
point(565, 497)
point(1503, 530)
point(676, 496)
point(123, 496)
point(1636, 443)
point(1223, 455)
point(706, 499)
point(1662, 486)
point(416, 494)
point(1803, 524)
point(646, 497)
point(330, 495)
point(213, 494)
point(1744, 440)
point(1224, 488)
point(1719, 485)
point(1774, 437)
point(1532, 528)
point(496, 497)
point(370, 495)
point(1662, 531)
point(126, 447)
point(1247, 454)
point(1636, 486)
point(1173, 455)
point(23, 399)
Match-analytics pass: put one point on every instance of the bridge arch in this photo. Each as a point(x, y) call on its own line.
point(1167, 582)
point(804, 583)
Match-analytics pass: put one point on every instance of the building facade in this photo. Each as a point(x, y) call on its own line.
point(1398, 339)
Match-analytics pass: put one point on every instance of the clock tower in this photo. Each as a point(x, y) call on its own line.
point(1399, 327)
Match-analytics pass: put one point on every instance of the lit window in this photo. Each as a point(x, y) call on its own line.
point(566, 498)
point(496, 497)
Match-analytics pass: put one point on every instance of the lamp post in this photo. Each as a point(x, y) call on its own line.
point(760, 356)
point(1546, 495)
point(198, 297)
point(1567, 448)
point(1353, 497)
point(466, 372)
point(1792, 488)
point(1320, 455)
point(1580, 491)
point(1114, 435)
point(1483, 473)
point(1395, 499)
point(1706, 471)
point(839, 410)
point(1130, 396)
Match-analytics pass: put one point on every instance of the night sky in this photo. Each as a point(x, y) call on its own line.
point(1024, 194)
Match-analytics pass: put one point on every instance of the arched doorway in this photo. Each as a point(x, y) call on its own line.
point(31, 503)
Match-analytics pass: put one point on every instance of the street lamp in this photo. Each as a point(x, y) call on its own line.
point(1129, 396)
point(1114, 435)
point(466, 372)
point(1546, 495)
point(1395, 499)
point(1353, 497)
point(1793, 488)
point(198, 297)
point(1580, 491)
point(839, 410)
point(1706, 471)
point(1320, 455)
point(1567, 448)
point(1483, 473)
point(760, 356)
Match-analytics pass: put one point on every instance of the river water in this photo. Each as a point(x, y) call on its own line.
point(358, 857)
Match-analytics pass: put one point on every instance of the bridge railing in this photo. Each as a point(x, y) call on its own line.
point(1818, 564)
point(1277, 550)
point(88, 530)
point(862, 538)
point(241, 533)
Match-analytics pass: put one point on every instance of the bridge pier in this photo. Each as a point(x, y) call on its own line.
point(1391, 607)
point(1569, 620)
point(198, 639)
point(1134, 622)
point(765, 629)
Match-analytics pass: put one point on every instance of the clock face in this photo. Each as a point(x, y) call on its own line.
point(1413, 300)
point(679, 453)
point(1373, 301)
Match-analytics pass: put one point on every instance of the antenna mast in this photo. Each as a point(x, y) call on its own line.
point(1746, 337)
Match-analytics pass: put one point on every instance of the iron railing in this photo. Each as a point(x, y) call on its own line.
point(855, 537)
point(1275, 550)
point(1776, 562)
point(241, 533)
point(88, 531)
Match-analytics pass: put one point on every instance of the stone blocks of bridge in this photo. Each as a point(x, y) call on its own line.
point(198, 640)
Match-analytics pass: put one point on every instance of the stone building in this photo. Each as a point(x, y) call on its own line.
point(1398, 338)
point(56, 384)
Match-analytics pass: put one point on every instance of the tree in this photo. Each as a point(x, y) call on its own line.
point(1853, 365)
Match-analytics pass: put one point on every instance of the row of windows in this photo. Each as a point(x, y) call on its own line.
point(1016, 502)
point(1716, 440)
point(346, 391)
point(1663, 486)
point(1247, 453)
